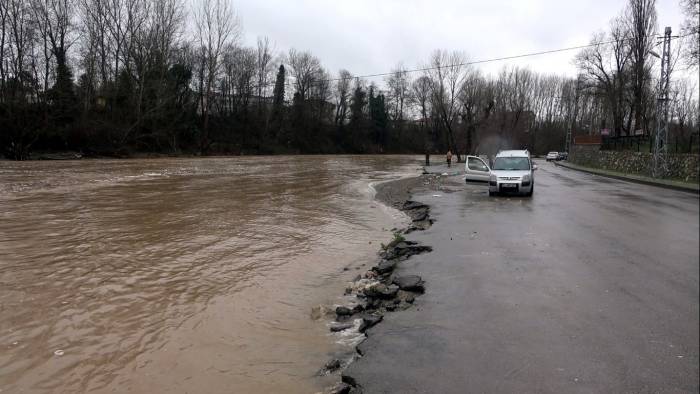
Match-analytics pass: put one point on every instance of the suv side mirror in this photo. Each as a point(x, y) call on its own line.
point(534, 167)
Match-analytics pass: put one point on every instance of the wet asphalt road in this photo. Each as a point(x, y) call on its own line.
point(591, 286)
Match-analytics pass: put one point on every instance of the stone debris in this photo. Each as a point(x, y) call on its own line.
point(341, 326)
point(410, 283)
point(378, 290)
point(343, 311)
point(369, 321)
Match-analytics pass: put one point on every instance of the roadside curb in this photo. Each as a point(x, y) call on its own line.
point(634, 180)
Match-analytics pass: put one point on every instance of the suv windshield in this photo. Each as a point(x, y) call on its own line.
point(511, 163)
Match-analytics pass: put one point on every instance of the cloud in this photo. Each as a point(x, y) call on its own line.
point(366, 36)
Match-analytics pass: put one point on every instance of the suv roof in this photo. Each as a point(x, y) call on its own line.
point(513, 153)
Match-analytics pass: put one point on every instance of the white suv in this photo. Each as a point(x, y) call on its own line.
point(512, 172)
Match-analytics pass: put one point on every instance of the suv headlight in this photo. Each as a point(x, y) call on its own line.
point(526, 178)
point(493, 178)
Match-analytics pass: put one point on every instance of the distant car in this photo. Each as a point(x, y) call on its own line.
point(552, 156)
point(563, 156)
point(512, 172)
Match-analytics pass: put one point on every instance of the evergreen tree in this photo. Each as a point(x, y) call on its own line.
point(379, 118)
point(357, 124)
point(63, 95)
point(278, 106)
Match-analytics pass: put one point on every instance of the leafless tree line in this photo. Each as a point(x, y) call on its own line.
point(111, 76)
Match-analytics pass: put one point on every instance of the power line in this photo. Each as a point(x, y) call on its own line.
point(491, 60)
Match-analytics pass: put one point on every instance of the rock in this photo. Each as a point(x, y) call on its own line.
point(406, 296)
point(343, 311)
point(332, 366)
point(341, 327)
point(349, 380)
point(410, 283)
point(409, 205)
point(423, 225)
point(342, 318)
point(358, 308)
point(385, 266)
point(342, 388)
point(405, 250)
point(418, 249)
point(382, 291)
point(373, 303)
point(389, 254)
point(420, 216)
point(370, 321)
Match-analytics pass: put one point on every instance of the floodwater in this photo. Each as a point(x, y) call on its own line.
point(181, 275)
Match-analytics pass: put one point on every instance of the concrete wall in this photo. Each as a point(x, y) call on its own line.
point(681, 166)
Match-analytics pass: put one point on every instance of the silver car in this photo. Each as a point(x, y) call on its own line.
point(512, 172)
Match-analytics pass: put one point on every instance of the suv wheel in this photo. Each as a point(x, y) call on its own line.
point(532, 190)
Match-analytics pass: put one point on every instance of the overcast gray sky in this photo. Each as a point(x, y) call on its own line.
point(372, 36)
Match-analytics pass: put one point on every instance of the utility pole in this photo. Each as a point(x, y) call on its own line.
point(660, 164)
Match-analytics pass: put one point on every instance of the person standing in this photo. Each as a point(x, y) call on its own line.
point(449, 158)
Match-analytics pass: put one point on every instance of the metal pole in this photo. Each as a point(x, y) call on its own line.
point(660, 168)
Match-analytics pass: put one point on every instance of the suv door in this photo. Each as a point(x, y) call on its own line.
point(476, 170)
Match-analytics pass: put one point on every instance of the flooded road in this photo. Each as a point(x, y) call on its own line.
point(181, 275)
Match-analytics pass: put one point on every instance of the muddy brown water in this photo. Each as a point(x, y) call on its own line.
point(181, 275)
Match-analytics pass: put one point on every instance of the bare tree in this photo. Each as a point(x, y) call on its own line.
point(217, 26)
point(342, 97)
point(606, 69)
point(476, 96)
point(304, 68)
point(641, 23)
point(691, 28)
point(4, 38)
point(446, 75)
point(683, 110)
point(264, 68)
point(420, 97)
point(18, 20)
point(398, 85)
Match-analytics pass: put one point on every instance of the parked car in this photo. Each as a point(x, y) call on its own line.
point(552, 156)
point(512, 172)
point(563, 156)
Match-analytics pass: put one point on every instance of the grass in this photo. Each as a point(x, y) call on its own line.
point(398, 237)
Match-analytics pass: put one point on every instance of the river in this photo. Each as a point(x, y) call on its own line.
point(183, 275)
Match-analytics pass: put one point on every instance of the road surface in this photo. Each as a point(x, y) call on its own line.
point(591, 286)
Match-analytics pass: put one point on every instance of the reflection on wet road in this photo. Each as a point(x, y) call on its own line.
point(590, 286)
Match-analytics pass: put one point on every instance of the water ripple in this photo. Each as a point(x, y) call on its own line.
point(177, 273)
